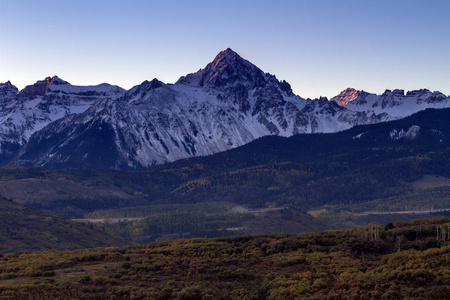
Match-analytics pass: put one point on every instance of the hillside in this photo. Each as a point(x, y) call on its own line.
point(384, 167)
point(304, 170)
point(396, 261)
point(32, 190)
point(26, 229)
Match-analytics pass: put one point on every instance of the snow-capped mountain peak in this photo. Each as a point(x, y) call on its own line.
point(55, 80)
point(228, 103)
point(346, 96)
point(7, 89)
point(227, 69)
point(25, 112)
point(57, 85)
point(154, 93)
point(8, 94)
point(147, 85)
point(396, 92)
point(8, 85)
point(395, 103)
point(40, 88)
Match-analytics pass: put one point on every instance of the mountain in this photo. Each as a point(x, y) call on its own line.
point(395, 103)
point(25, 112)
point(227, 104)
point(24, 229)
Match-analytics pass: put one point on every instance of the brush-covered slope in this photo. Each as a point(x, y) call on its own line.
point(397, 261)
point(25, 229)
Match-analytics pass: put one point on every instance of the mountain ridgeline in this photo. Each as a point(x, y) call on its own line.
point(227, 104)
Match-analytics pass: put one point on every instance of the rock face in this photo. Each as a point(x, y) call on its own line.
point(225, 105)
point(346, 96)
point(395, 104)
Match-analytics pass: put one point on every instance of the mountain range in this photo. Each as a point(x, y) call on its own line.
point(227, 104)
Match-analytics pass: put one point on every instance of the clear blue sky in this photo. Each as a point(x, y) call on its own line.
point(320, 47)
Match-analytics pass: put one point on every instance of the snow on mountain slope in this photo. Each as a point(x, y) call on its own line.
point(346, 96)
point(225, 105)
point(395, 104)
point(7, 94)
point(25, 112)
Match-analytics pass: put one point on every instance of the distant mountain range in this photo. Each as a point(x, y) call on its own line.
point(229, 103)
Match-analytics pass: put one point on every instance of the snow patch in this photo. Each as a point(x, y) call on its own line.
point(358, 136)
point(409, 134)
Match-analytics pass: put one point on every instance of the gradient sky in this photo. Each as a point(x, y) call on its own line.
point(320, 47)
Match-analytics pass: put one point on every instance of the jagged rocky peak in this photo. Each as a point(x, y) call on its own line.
point(229, 58)
point(154, 84)
point(227, 69)
point(286, 87)
point(397, 92)
point(58, 81)
point(426, 93)
point(7, 84)
point(145, 87)
point(8, 88)
point(346, 96)
point(154, 91)
point(41, 87)
point(428, 96)
point(420, 92)
point(8, 93)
